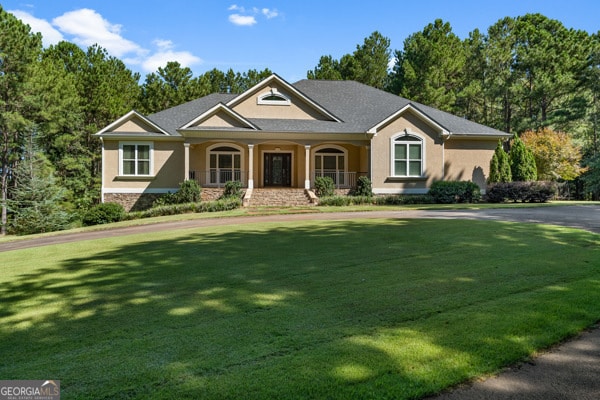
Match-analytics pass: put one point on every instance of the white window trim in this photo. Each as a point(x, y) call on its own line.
point(151, 155)
point(210, 150)
point(329, 146)
point(285, 101)
point(393, 155)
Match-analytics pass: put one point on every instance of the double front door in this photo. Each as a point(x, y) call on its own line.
point(278, 169)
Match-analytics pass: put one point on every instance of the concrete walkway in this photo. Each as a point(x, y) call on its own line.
point(568, 371)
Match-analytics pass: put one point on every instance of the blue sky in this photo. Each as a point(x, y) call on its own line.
point(287, 37)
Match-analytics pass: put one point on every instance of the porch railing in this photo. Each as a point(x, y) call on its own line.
point(341, 179)
point(218, 177)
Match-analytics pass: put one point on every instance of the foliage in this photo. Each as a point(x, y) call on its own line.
point(103, 213)
point(363, 187)
point(393, 200)
point(232, 189)
point(556, 155)
point(224, 204)
point(500, 166)
point(591, 178)
point(430, 67)
point(36, 203)
point(324, 186)
point(526, 192)
point(522, 162)
point(448, 192)
point(368, 64)
point(19, 49)
point(387, 296)
point(189, 191)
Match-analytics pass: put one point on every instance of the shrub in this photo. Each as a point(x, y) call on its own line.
point(324, 186)
point(448, 192)
point(363, 187)
point(345, 200)
point(103, 213)
point(189, 191)
point(232, 189)
point(530, 192)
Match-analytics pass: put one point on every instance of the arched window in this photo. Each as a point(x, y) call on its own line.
point(224, 164)
point(273, 98)
point(407, 156)
point(331, 161)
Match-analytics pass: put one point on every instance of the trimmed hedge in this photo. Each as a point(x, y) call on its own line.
point(375, 200)
point(225, 204)
point(526, 192)
point(189, 192)
point(449, 192)
point(363, 187)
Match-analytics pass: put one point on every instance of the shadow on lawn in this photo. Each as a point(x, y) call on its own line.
point(334, 310)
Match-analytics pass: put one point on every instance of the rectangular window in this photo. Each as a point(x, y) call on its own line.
point(408, 156)
point(136, 159)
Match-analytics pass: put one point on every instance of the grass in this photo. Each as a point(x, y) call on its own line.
point(345, 309)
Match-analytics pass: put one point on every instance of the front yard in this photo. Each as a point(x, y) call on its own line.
point(342, 309)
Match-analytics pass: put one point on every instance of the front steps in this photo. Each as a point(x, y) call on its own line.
point(278, 197)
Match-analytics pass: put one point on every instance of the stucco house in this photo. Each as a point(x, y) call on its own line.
point(282, 135)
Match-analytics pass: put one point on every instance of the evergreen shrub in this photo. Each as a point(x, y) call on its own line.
point(104, 213)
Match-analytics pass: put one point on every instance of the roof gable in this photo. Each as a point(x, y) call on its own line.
point(219, 116)
point(133, 123)
point(294, 104)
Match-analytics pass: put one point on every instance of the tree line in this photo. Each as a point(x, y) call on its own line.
point(525, 73)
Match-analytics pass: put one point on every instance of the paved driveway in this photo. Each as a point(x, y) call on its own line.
point(569, 371)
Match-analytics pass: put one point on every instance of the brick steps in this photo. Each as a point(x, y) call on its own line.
point(279, 197)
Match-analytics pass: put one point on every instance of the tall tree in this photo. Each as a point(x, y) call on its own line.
point(429, 69)
point(548, 59)
point(368, 64)
point(19, 50)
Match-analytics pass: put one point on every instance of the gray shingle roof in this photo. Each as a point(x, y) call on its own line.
point(358, 106)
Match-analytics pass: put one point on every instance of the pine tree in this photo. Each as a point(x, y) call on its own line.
point(36, 204)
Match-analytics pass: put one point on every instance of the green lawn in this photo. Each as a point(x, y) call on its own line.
point(342, 309)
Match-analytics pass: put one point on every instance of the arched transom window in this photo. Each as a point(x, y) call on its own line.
point(273, 98)
point(407, 156)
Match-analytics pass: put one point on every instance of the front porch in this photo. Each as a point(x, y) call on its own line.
point(275, 164)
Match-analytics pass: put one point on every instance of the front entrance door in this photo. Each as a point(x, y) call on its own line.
point(278, 169)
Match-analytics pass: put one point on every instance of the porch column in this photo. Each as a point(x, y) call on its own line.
point(250, 166)
point(186, 161)
point(307, 166)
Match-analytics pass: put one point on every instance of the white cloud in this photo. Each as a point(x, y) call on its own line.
point(165, 54)
point(270, 13)
point(89, 28)
point(243, 17)
point(49, 34)
point(86, 27)
point(242, 20)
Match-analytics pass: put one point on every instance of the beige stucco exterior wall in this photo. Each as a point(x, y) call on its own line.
point(296, 110)
point(382, 180)
point(469, 159)
point(168, 168)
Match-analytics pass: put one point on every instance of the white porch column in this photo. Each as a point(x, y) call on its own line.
point(186, 161)
point(307, 166)
point(250, 166)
